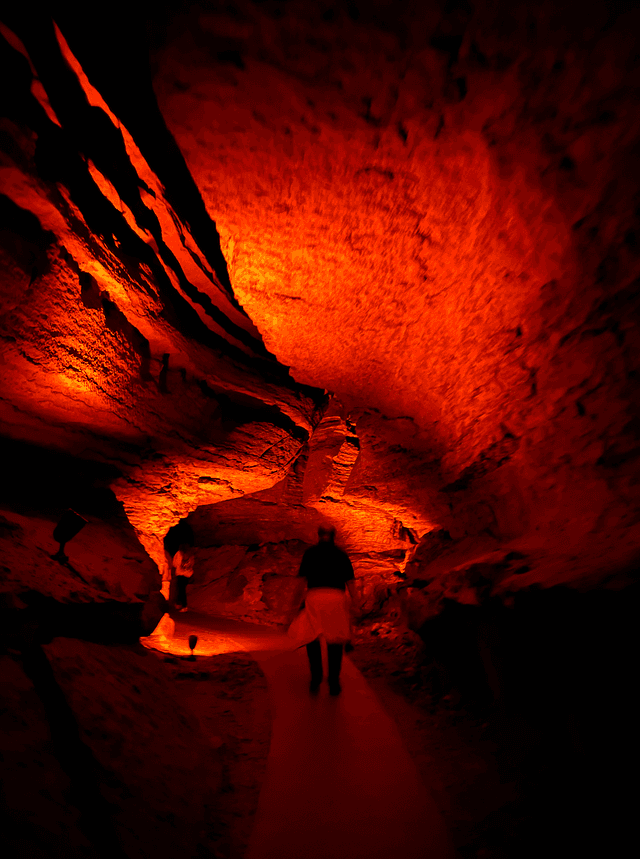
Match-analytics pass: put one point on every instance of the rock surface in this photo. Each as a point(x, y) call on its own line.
point(122, 340)
point(132, 756)
point(434, 215)
point(431, 213)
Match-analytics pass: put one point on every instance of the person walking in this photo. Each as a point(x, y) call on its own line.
point(183, 562)
point(327, 573)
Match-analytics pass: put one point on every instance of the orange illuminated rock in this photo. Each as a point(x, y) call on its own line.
point(438, 229)
point(430, 214)
point(120, 340)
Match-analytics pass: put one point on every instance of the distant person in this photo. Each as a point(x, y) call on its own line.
point(183, 562)
point(327, 572)
point(177, 537)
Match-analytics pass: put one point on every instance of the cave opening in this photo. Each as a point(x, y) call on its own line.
point(271, 266)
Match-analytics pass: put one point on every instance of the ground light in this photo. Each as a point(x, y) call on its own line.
point(165, 640)
point(215, 635)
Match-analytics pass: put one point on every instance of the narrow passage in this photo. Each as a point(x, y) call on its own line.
point(339, 781)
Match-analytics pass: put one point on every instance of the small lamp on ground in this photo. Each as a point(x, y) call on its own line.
point(70, 524)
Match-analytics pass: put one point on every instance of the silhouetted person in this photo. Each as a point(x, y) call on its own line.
point(177, 536)
point(328, 572)
point(183, 561)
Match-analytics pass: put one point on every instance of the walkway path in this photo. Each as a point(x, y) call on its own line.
point(339, 782)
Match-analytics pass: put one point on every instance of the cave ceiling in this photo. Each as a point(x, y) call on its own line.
point(373, 263)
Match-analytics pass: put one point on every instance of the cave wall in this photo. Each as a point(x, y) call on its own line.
point(430, 212)
point(81, 778)
point(122, 341)
point(104, 561)
point(548, 676)
point(248, 549)
point(433, 212)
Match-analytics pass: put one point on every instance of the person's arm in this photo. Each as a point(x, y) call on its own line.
point(297, 595)
point(299, 589)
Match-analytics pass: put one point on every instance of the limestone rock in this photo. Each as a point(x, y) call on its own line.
point(466, 208)
point(121, 699)
point(35, 786)
point(439, 230)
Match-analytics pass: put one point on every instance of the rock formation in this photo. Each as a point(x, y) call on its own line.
point(269, 265)
point(431, 215)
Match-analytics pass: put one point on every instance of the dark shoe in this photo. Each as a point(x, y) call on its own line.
point(314, 686)
point(315, 661)
point(334, 655)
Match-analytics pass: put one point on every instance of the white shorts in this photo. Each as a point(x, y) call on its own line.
point(326, 612)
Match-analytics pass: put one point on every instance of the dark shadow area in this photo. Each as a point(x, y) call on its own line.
point(22, 237)
point(127, 88)
point(75, 757)
point(29, 620)
point(177, 536)
point(45, 481)
point(553, 678)
point(43, 618)
point(117, 321)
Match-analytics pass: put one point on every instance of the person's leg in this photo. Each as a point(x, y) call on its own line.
point(315, 664)
point(334, 658)
point(181, 592)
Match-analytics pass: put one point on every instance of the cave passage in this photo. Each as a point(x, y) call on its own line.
point(271, 266)
point(339, 781)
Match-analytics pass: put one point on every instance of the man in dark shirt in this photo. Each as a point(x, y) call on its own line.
point(327, 569)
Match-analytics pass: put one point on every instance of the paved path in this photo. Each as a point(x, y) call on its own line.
point(339, 782)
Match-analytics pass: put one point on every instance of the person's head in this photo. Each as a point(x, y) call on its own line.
point(326, 534)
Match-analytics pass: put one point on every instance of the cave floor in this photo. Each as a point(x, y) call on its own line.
point(339, 780)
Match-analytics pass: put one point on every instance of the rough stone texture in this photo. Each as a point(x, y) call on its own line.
point(104, 560)
point(121, 338)
point(248, 548)
point(162, 790)
point(430, 211)
point(258, 588)
point(39, 819)
point(433, 213)
point(108, 752)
